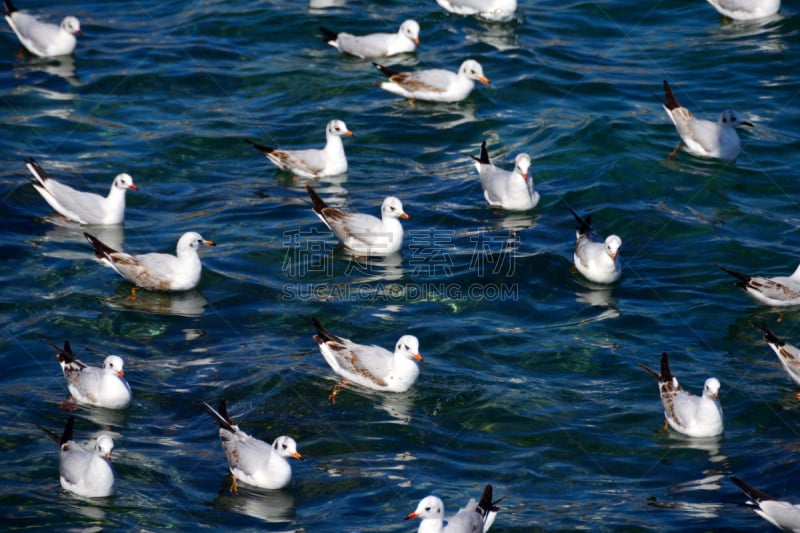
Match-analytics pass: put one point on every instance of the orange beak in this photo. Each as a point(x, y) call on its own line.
point(418, 357)
point(209, 243)
point(613, 255)
point(416, 41)
point(297, 455)
point(121, 373)
point(484, 80)
point(404, 216)
point(134, 187)
point(349, 133)
point(411, 515)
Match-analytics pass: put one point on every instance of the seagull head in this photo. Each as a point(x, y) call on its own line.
point(408, 346)
point(730, 118)
point(104, 445)
point(473, 70)
point(521, 164)
point(711, 388)
point(338, 128)
point(113, 364)
point(410, 29)
point(71, 25)
point(613, 244)
point(286, 447)
point(430, 507)
point(393, 208)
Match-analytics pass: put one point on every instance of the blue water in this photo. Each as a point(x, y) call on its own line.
point(530, 379)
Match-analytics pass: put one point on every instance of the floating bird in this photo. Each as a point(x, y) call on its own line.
point(494, 10)
point(434, 85)
point(312, 163)
point(250, 460)
point(704, 138)
point(503, 189)
point(370, 366)
point(777, 291)
point(746, 9)
point(83, 207)
point(475, 517)
point(156, 271)
point(364, 234)
point(375, 44)
point(594, 257)
point(780, 514)
point(84, 472)
point(695, 416)
point(100, 387)
point(788, 355)
point(43, 39)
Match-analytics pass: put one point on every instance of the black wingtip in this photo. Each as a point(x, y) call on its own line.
point(769, 335)
point(260, 147)
point(221, 415)
point(585, 223)
point(317, 202)
point(64, 354)
point(323, 335)
point(385, 70)
point(666, 373)
point(327, 34)
point(100, 248)
point(484, 157)
point(672, 102)
point(650, 371)
point(744, 278)
point(486, 505)
point(9, 7)
point(69, 431)
point(752, 492)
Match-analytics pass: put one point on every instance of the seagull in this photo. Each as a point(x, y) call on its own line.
point(155, 271)
point(507, 190)
point(84, 472)
point(79, 206)
point(695, 416)
point(312, 163)
point(434, 85)
point(375, 44)
point(703, 137)
point(596, 259)
point(746, 9)
point(100, 387)
point(475, 517)
point(778, 291)
point(364, 234)
point(253, 461)
point(42, 38)
point(370, 366)
point(788, 355)
point(494, 10)
point(780, 514)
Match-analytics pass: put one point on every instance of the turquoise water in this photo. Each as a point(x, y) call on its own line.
point(530, 379)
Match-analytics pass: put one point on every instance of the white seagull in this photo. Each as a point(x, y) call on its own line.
point(42, 38)
point(788, 355)
point(87, 473)
point(370, 366)
point(364, 234)
point(100, 387)
point(597, 259)
point(312, 163)
point(434, 85)
point(778, 291)
point(695, 416)
point(780, 514)
point(475, 517)
point(508, 190)
point(704, 138)
point(375, 44)
point(156, 271)
point(250, 460)
point(79, 206)
point(746, 9)
point(494, 10)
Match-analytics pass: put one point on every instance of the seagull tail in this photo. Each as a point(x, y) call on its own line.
point(752, 492)
point(9, 7)
point(666, 373)
point(64, 355)
point(386, 71)
point(323, 335)
point(39, 175)
point(769, 335)
point(266, 150)
point(318, 203)
point(486, 505)
point(484, 157)
point(327, 34)
point(221, 416)
point(672, 102)
point(101, 250)
point(66, 436)
point(585, 223)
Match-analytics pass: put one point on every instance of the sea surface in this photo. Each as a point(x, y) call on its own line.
point(530, 378)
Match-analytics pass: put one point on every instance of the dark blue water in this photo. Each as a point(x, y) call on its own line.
point(530, 379)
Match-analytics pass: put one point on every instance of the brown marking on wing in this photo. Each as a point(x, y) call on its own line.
point(138, 274)
point(286, 161)
point(355, 364)
point(669, 390)
point(769, 284)
point(407, 81)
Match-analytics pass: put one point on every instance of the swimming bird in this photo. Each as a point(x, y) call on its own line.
point(746, 9)
point(507, 190)
point(89, 385)
point(364, 234)
point(250, 460)
point(475, 517)
point(156, 271)
point(777, 291)
point(312, 163)
point(695, 416)
point(79, 206)
point(370, 366)
point(373, 45)
point(788, 355)
point(704, 138)
point(434, 85)
point(779, 513)
point(494, 10)
point(84, 472)
point(597, 259)
point(43, 39)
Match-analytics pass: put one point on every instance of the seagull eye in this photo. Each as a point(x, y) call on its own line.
point(427, 508)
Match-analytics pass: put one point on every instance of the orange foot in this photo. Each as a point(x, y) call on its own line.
point(336, 390)
point(234, 488)
point(68, 405)
point(133, 293)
